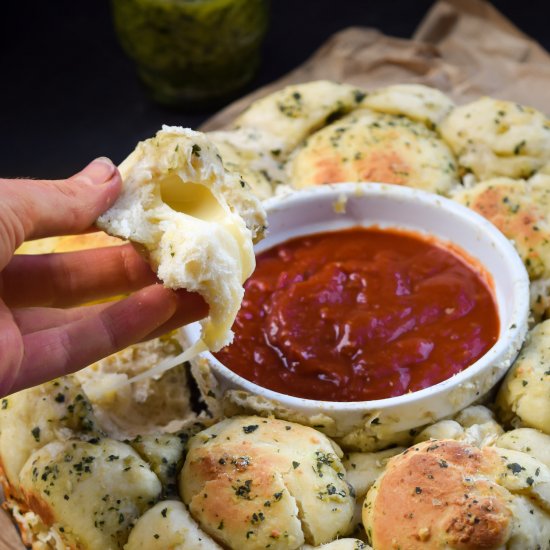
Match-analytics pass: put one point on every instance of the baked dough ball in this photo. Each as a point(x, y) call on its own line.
point(414, 101)
point(473, 425)
point(290, 115)
point(492, 138)
point(32, 418)
point(146, 406)
point(255, 155)
point(523, 398)
point(252, 482)
point(520, 209)
point(364, 468)
point(479, 424)
point(164, 453)
point(168, 525)
point(447, 494)
point(528, 441)
point(362, 471)
point(443, 429)
point(370, 146)
point(174, 203)
point(91, 493)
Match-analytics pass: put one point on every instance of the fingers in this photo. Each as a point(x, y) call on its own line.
point(33, 319)
point(11, 350)
point(72, 278)
point(31, 209)
point(190, 307)
point(58, 350)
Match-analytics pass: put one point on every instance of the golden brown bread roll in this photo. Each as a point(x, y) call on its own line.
point(519, 208)
point(370, 146)
point(447, 494)
point(251, 481)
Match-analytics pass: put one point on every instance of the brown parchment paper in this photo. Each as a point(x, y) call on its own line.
point(466, 48)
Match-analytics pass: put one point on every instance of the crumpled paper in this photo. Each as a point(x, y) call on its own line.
point(466, 48)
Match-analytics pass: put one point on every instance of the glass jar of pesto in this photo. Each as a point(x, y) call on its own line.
point(192, 51)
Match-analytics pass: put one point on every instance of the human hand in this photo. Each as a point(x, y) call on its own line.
point(45, 332)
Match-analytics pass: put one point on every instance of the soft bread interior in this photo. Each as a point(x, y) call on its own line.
point(180, 204)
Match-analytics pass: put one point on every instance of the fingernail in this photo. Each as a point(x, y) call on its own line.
point(99, 171)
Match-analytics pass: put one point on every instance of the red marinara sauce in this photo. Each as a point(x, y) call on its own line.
point(360, 314)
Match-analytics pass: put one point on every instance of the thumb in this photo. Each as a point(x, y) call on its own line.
point(42, 208)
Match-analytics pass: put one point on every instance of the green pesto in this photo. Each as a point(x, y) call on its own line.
point(192, 50)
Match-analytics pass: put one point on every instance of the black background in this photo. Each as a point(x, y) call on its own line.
point(68, 94)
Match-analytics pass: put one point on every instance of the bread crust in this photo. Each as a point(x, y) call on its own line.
point(273, 482)
point(446, 499)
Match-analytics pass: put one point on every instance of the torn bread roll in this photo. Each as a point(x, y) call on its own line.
point(195, 220)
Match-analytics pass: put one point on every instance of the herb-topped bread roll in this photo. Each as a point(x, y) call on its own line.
point(89, 492)
point(196, 222)
point(370, 146)
point(450, 495)
point(417, 102)
point(523, 398)
point(520, 209)
point(164, 453)
point(252, 482)
point(493, 138)
point(290, 115)
point(31, 418)
point(527, 440)
point(253, 154)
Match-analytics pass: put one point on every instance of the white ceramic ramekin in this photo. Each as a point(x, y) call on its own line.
point(339, 206)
